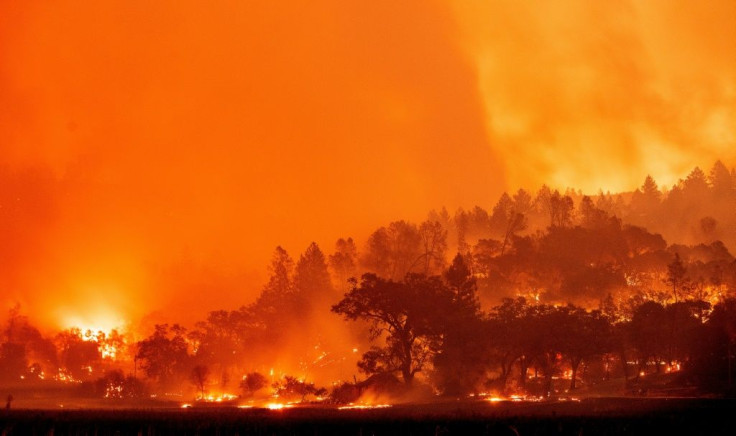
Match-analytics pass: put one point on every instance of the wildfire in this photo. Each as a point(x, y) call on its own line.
point(65, 376)
point(114, 391)
point(363, 406)
point(493, 398)
point(217, 398)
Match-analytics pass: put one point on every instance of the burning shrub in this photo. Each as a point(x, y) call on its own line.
point(115, 385)
point(291, 389)
point(78, 356)
point(345, 393)
point(252, 383)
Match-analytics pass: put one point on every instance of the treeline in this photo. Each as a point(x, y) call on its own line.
point(542, 283)
point(434, 325)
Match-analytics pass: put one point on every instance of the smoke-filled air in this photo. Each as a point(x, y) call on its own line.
point(365, 203)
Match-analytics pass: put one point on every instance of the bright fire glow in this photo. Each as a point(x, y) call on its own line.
point(217, 398)
point(364, 406)
point(64, 376)
point(492, 398)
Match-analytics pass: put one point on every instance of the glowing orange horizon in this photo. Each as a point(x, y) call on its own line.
point(156, 154)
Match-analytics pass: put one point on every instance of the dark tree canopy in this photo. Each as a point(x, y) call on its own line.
point(408, 314)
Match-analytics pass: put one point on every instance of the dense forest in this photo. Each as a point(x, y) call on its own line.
point(543, 293)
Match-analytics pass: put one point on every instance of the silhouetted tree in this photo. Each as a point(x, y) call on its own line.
point(586, 334)
point(164, 355)
point(696, 184)
point(344, 262)
point(292, 388)
point(558, 207)
point(280, 280)
point(199, 376)
point(460, 219)
point(409, 314)
point(676, 277)
point(276, 301)
point(649, 333)
point(721, 181)
point(501, 214)
point(591, 217)
point(639, 241)
point(78, 356)
point(434, 244)
point(312, 282)
point(505, 336)
point(115, 385)
point(460, 363)
point(651, 193)
point(252, 383)
point(221, 339)
point(394, 251)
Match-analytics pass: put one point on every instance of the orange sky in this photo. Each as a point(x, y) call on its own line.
point(152, 154)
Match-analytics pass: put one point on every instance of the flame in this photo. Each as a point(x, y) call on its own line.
point(493, 398)
point(352, 406)
point(107, 349)
point(114, 391)
point(64, 376)
point(217, 398)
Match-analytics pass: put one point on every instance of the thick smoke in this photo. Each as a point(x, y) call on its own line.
point(592, 95)
point(183, 141)
point(152, 155)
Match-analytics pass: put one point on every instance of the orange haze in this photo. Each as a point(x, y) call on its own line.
point(152, 154)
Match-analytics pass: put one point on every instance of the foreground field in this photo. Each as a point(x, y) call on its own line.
point(593, 416)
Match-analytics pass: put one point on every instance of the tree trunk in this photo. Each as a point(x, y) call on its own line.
point(625, 364)
point(550, 362)
point(506, 367)
point(730, 366)
point(504, 376)
point(548, 383)
point(574, 366)
point(406, 371)
point(523, 368)
point(407, 374)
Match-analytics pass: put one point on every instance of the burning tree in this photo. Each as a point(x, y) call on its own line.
point(78, 355)
point(460, 365)
point(676, 276)
point(409, 314)
point(199, 376)
point(115, 385)
point(252, 383)
point(585, 335)
point(164, 355)
point(22, 344)
point(291, 388)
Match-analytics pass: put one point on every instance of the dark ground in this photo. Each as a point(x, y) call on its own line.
point(599, 416)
